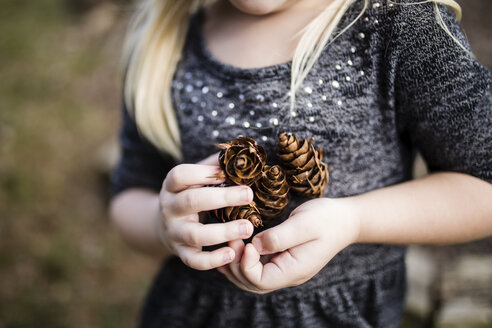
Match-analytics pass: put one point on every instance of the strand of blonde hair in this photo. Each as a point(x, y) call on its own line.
point(153, 50)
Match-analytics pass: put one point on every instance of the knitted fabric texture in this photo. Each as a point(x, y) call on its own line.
point(392, 84)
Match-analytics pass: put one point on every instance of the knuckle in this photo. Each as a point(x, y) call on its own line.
point(164, 202)
point(186, 260)
point(166, 214)
point(168, 211)
point(230, 230)
point(190, 263)
point(193, 264)
point(191, 237)
point(261, 286)
point(190, 201)
point(179, 170)
point(229, 196)
point(197, 264)
point(165, 227)
point(187, 199)
point(272, 241)
point(171, 247)
point(189, 260)
point(170, 230)
point(174, 176)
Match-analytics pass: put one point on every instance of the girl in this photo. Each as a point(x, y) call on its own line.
point(372, 81)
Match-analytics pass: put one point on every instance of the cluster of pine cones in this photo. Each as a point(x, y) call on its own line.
point(244, 163)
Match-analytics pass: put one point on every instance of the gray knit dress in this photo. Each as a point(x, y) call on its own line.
point(392, 84)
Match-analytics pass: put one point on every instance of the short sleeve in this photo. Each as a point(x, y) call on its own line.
point(443, 95)
point(141, 165)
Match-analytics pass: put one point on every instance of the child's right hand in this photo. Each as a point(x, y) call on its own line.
point(182, 197)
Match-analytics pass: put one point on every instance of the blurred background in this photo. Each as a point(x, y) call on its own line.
point(61, 263)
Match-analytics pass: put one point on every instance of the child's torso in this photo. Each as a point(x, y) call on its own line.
point(345, 103)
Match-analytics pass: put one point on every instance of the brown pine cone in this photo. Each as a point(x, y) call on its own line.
point(307, 174)
point(249, 212)
point(242, 160)
point(272, 192)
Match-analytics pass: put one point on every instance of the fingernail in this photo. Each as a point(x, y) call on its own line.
point(258, 245)
point(228, 256)
point(220, 175)
point(246, 194)
point(244, 229)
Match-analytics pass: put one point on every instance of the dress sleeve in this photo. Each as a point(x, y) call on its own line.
point(141, 165)
point(442, 95)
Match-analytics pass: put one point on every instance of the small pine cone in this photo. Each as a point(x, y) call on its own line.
point(249, 212)
point(307, 174)
point(242, 160)
point(272, 192)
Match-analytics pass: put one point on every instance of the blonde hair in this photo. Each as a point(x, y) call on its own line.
point(155, 41)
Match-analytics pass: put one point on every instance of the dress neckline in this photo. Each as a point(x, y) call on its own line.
point(218, 67)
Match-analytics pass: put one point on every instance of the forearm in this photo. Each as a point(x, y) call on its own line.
point(437, 209)
point(135, 214)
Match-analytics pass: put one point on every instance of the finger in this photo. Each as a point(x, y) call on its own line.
point(197, 234)
point(289, 268)
point(238, 247)
point(299, 263)
point(252, 269)
point(268, 276)
point(234, 270)
point(192, 201)
point(226, 271)
point(199, 260)
point(210, 160)
point(290, 233)
point(184, 176)
point(234, 266)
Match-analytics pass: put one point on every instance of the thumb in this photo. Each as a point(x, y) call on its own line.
point(292, 232)
point(238, 247)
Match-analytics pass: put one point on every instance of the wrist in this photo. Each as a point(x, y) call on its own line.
point(351, 217)
point(342, 215)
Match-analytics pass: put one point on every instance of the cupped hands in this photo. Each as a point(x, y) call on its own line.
point(183, 196)
point(294, 251)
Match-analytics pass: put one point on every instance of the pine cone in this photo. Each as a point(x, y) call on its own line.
point(242, 160)
point(249, 212)
point(307, 174)
point(272, 192)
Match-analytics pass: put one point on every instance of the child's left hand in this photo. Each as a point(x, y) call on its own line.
point(294, 251)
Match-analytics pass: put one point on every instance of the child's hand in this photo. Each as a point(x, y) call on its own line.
point(295, 250)
point(181, 199)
